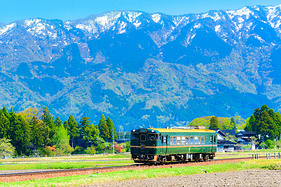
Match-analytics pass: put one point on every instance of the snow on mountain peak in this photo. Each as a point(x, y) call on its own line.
point(108, 19)
point(156, 17)
point(6, 28)
point(131, 16)
point(240, 12)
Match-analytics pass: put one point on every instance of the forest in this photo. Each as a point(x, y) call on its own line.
point(37, 132)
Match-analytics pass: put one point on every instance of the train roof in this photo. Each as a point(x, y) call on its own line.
point(179, 130)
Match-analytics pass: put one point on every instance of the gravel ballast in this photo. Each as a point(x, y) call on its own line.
point(236, 178)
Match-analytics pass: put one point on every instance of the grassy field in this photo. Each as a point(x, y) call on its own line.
point(95, 178)
point(66, 162)
point(260, 152)
point(84, 161)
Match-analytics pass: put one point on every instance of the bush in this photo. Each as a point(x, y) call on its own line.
point(90, 150)
point(78, 150)
point(46, 151)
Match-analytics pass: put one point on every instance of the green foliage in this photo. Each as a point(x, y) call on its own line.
point(104, 130)
point(128, 148)
point(214, 123)
point(265, 122)
point(48, 121)
point(38, 132)
point(58, 122)
point(6, 148)
point(233, 124)
point(270, 144)
point(20, 133)
point(263, 145)
point(111, 127)
point(61, 141)
point(73, 128)
point(78, 150)
point(4, 126)
point(90, 150)
point(46, 151)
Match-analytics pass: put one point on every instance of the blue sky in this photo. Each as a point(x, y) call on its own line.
point(11, 10)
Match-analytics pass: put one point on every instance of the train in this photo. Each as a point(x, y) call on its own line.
point(162, 145)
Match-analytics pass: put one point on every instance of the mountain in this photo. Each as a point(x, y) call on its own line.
point(144, 69)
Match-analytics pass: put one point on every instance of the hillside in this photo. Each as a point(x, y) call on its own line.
point(144, 69)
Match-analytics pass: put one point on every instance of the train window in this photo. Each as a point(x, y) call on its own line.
point(199, 138)
point(183, 140)
point(143, 130)
point(142, 137)
point(174, 140)
point(187, 140)
point(178, 140)
point(191, 140)
point(195, 140)
point(203, 140)
point(134, 136)
point(153, 137)
point(211, 139)
point(164, 139)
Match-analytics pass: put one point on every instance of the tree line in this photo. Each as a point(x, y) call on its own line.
point(35, 131)
point(265, 122)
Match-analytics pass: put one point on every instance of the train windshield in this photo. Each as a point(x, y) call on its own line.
point(153, 137)
point(134, 136)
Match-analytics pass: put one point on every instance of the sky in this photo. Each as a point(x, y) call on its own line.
point(12, 10)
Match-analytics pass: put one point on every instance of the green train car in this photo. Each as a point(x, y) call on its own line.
point(155, 145)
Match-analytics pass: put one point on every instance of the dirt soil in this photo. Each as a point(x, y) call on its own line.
point(249, 178)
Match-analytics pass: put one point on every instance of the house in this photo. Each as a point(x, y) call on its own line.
point(226, 146)
point(246, 138)
point(223, 144)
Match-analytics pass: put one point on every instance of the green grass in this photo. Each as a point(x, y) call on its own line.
point(149, 173)
point(261, 152)
point(64, 165)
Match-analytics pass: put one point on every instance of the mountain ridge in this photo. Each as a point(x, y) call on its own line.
point(144, 69)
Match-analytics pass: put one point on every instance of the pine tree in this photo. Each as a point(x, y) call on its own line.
point(103, 128)
point(214, 123)
point(111, 126)
point(84, 122)
point(4, 126)
point(73, 128)
point(5, 112)
point(48, 120)
point(233, 123)
point(20, 133)
point(58, 122)
point(37, 132)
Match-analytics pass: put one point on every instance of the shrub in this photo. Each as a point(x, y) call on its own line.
point(90, 150)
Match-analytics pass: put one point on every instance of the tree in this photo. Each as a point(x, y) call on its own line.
point(111, 127)
point(104, 130)
point(6, 148)
point(84, 122)
point(233, 123)
point(48, 120)
point(214, 123)
point(20, 133)
point(4, 126)
point(61, 141)
point(5, 112)
point(58, 122)
point(37, 132)
point(73, 129)
point(29, 113)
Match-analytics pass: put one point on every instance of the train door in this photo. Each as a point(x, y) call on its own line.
point(163, 144)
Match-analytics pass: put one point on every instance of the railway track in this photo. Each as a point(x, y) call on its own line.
point(15, 177)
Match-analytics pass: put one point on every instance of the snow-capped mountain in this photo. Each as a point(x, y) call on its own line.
point(149, 68)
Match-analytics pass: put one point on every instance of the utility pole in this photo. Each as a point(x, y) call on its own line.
point(112, 141)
